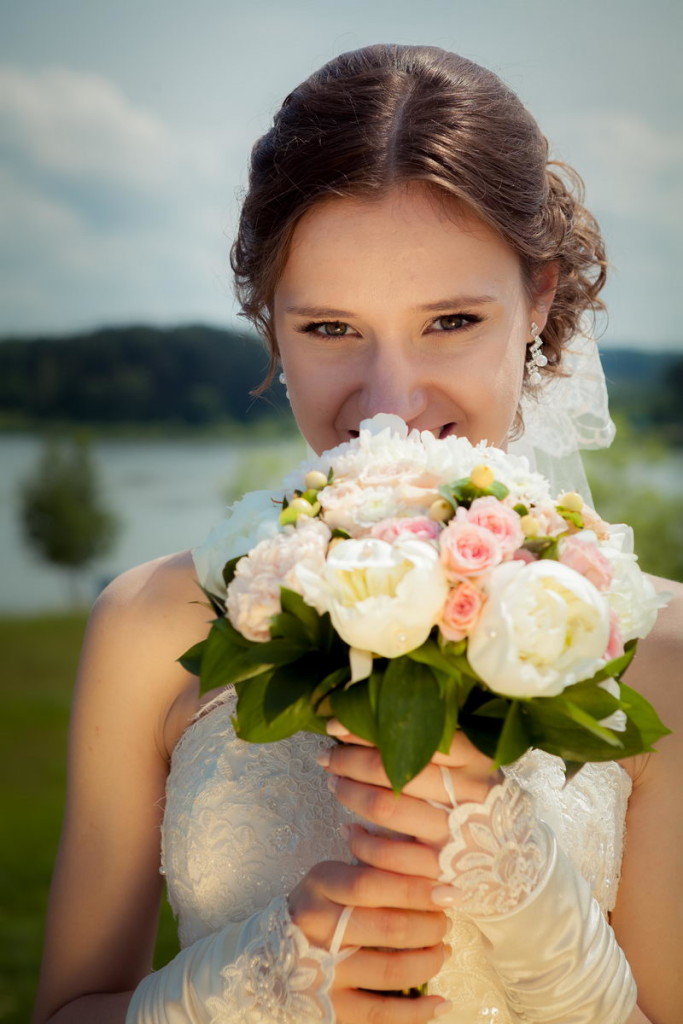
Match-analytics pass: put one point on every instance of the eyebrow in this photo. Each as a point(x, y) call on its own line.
point(458, 302)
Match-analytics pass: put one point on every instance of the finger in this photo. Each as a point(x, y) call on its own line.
point(405, 814)
point(357, 885)
point(412, 858)
point(364, 764)
point(335, 728)
point(353, 1006)
point(391, 971)
point(395, 929)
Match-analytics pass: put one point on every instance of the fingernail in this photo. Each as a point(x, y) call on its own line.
point(442, 1009)
point(444, 896)
point(323, 758)
point(332, 781)
point(335, 728)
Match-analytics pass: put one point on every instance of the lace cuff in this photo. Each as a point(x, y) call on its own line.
point(261, 971)
point(278, 976)
point(498, 854)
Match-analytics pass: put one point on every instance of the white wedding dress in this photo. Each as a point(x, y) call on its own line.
point(244, 823)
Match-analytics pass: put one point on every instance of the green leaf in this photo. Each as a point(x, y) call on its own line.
point(514, 738)
point(410, 719)
point(353, 709)
point(229, 570)
point(593, 699)
point(520, 509)
point(497, 707)
point(448, 687)
point(430, 654)
point(643, 715)
point(191, 660)
point(295, 605)
point(289, 692)
point(225, 660)
point(590, 724)
point(615, 669)
point(250, 721)
point(542, 547)
point(333, 680)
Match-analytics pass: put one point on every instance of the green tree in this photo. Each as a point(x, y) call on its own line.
point(63, 515)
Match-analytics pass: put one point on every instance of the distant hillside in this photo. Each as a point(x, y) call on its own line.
point(198, 377)
point(192, 376)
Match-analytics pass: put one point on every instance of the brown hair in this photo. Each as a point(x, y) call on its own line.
point(387, 114)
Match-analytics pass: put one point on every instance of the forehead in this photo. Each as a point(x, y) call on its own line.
point(411, 236)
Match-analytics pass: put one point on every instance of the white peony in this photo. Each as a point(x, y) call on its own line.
point(543, 628)
point(631, 594)
point(382, 597)
point(250, 520)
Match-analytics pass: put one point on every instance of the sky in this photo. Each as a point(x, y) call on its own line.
point(126, 128)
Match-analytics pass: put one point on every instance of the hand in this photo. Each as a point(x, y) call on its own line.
point(389, 910)
point(361, 784)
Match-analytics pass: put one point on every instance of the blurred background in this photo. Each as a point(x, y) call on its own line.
point(125, 420)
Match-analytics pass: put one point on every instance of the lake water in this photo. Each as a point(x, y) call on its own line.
point(168, 494)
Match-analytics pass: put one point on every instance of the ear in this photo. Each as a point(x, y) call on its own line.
point(544, 286)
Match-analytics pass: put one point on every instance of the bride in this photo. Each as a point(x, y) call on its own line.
point(404, 247)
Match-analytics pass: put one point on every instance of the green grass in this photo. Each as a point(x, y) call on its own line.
point(39, 659)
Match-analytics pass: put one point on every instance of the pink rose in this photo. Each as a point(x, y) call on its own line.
point(461, 611)
point(502, 521)
point(468, 549)
point(585, 557)
point(419, 527)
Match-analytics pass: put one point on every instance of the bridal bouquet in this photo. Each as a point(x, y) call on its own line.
point(411, 586)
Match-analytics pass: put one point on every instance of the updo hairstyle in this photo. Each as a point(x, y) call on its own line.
point(387, 114)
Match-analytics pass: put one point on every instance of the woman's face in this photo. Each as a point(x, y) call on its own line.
point(402, 306)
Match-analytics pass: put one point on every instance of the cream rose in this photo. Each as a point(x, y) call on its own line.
point(543, 628)
point(382, 597)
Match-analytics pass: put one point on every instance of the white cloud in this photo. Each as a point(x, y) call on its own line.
point(633, 168)
point(105, 213)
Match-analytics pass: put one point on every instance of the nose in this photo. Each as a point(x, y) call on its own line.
point(394, 383)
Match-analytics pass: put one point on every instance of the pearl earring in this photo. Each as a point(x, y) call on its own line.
point(535, 359)
point(283, 381)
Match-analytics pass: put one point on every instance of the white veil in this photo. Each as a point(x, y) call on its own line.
point(567, 414)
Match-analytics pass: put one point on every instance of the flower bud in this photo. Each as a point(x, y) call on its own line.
point(289, 516)
point(315, 480)
point(530, 526)
point(482, 477)
point(440, 510)
point(572, 501)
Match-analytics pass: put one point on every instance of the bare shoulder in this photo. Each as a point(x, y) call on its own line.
point(138, 628)
point(657, 673)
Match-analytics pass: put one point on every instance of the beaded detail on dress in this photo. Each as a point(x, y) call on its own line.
point(245, 822)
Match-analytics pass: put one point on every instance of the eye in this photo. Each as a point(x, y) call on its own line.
point(338, 328)
point(452, 322)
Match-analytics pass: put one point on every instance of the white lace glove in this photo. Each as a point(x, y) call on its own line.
point(260, 971)
point(544, 932)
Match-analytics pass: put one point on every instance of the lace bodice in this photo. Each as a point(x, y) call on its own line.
point(245, 822)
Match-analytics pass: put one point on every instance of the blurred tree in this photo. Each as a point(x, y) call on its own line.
point(63, 515)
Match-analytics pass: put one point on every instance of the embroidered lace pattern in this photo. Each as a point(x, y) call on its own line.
point(278, 977)
point(498, 853)
point(245, 822)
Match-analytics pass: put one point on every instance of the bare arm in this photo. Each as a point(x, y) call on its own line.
point(104, 902)
point(647, 919)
